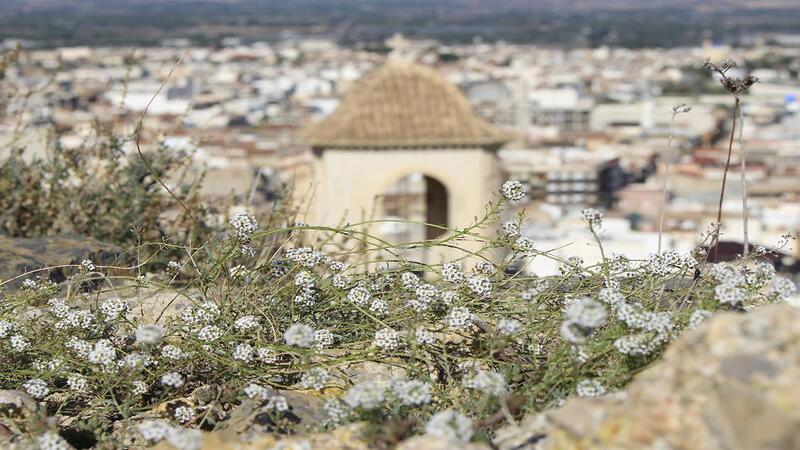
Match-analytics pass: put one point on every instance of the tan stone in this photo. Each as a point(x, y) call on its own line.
point(731, 384)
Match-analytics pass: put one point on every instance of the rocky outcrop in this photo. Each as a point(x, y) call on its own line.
point(20, 255)
point(731, 384)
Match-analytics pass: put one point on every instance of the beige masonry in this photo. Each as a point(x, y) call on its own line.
point(399, 120)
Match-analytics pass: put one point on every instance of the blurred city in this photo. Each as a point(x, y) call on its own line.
point(413, 128)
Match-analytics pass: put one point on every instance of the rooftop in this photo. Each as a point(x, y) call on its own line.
point(402, 104)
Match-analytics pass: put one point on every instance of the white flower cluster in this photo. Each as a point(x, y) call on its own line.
point(513, 190)
point(359, 295)
point(323, 338)
point(587, 313)
point(425, 295)
point(525, 246)
point(299, 335)
point(460, 318)
point(409, 281)
point(698, 317)
point(387, 339)
point(487, 381)
point(112, 308)
point(510, 229)
point(336, 411)
point(172, 379)
point(450, 425)
point(87, 265)
point(452, 273)
point(103, 353)
point(668, 262)
point(76, 319)
point(508, 326)
point(424, 337)
point(412, 392)
point(314, 378)
point(149, 334)
point(590, 388)
point(77, 382)
point(50, 440)
point(180, 438)
point(209, 333)
point(244, 225)
point(593, 217)
point(306, 257)
point(480, 285)
point(783, 288)
point(36, 388)
point(201, 314)
point(183, 413)
point(246, 323)
point(366, 395)
point(243, 352)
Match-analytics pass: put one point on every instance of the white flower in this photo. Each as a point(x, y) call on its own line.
point(323, 338)
point(480, 285)
point(367, 395)
point(590, 388)
point(593, 216)
point(278, 403)
point(387, 339)
point(486, 381)
point(172, 352)
point(726, 293)
point(424, 337)
point(511, 229)
point(243, 352)
point(587, 313)
point(154, 430)
point(139, 387)
point(409, 280)
point(103, 353)
point(450, 425)
point(50, 440)
point(112, 308)
point(514, 190)
point(19, 343)
point(314, 378)
point(452, 273)
point(698, 317)
point(172, 379)
point(299, 335)
point(149, 334)
point(256, 391)
point(36, 388)
point(266, 355)
point(184, 414)
point(507, 327)
point(359, 295)
point(459, 318)
point(412, 392)
point(336, 411)
point(246, 323)
point(244, 225)
point(782, 287)
point(6, 328)
point(185, 438)
point(77, 382)
point(209, 333)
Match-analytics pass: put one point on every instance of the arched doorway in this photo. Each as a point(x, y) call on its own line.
point(412, 202)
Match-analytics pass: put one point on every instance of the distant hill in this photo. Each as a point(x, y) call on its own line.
point(632, 23)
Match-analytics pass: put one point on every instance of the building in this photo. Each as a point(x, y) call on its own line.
point(403, 135)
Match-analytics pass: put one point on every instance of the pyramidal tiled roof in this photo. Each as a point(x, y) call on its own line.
point(402, 104)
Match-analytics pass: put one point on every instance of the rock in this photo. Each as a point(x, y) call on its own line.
point(251, 416)
point(20, 255)
point(731, 384)
point(437, 443)
point(344, 438)
point(152, 306)
point(20, 408)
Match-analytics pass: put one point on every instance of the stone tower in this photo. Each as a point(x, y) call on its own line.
point(403, 119)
